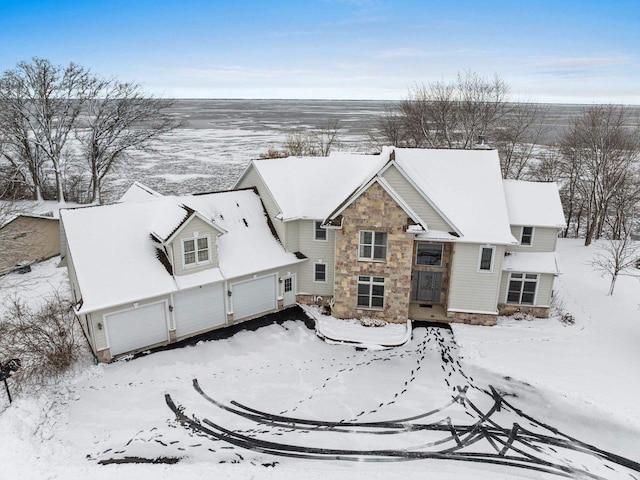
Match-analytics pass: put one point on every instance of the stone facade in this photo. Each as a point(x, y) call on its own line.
point(473, 318)
point(507, 309)
point(320, 300)
point(374, 210)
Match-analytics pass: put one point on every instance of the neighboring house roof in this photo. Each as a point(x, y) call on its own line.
point(311, 187)
point(114, 253)
point(534, 204)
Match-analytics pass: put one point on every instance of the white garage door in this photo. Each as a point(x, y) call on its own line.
point(199, 309)
point(137, 328)
point(253, 297)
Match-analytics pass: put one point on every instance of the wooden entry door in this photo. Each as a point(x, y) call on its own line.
point(426, 286)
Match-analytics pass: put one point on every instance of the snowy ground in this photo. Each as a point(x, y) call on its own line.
point(580, 379)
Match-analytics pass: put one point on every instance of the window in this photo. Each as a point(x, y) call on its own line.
point(429, 254)
point(485, 263)
point(319, 233)
point(522, 288)
point(195, 250)
point(526, 238)
point(319, 272)
point(373, 245)
point(371, 292)
point(288, 284)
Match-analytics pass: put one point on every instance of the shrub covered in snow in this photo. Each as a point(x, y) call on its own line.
point(372, 322)
point(47, 339)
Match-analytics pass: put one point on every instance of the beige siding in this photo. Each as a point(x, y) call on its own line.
point(253, 179)
point(96, 318)
point(413, 198)
point(316, 251)
point(543, 292)
point(544, 240)
point(472, 290)
point(292, 243)
point(188, 230)
point(30, 240)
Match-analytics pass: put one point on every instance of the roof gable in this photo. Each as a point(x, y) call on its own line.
point(385, 186)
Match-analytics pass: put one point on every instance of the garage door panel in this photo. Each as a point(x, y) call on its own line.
point(254, 297)
point(199, 309)
point(137, 328)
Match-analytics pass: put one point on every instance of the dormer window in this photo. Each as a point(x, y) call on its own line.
point(195, 251)
point(526, 237)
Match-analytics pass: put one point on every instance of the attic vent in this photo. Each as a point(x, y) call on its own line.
point(454, 234)
point(245, 222)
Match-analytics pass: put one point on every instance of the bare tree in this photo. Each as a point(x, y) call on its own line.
point(518, 137)
point(119, 118)
point(325, 138)
point(602, 152)
point(615, 258)
point(318, 142)
point(447, 114)
point(41, 103)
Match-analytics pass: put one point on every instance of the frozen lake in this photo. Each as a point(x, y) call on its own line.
point(222, 136)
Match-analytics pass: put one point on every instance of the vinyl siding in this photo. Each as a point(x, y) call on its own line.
point(194, 225)
point(315, 251)
point(543, 292)
point(544, 239)
point(292, 242)
point(415, 200)
point(253, 179)
point(472, 290)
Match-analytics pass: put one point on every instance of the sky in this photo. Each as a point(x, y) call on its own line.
point(582, 51)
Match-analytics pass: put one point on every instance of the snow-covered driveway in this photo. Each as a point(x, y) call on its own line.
point(279, 396)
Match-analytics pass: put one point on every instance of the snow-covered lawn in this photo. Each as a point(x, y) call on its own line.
point(581, 379)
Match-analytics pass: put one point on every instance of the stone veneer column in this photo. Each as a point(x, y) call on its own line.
point(374, 210)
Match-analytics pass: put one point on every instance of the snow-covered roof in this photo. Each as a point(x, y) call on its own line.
point(139, 192)
point(311, 187)
point(534, 204)
point(115, 255)
point(466, 186)
point(531, 262)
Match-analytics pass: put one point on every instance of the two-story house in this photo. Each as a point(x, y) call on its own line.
point(406, 234)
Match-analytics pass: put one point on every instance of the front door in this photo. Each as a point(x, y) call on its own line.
point(289, 290)
point(426, 286)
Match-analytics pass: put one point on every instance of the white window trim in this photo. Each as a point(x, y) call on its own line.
point(533, 232)
point(427, 243)
point(326, 272)
point(535, 295)
point(195, 239)
point(315, 231)
point(493, 258)
point(371, 283)
point(373, 245)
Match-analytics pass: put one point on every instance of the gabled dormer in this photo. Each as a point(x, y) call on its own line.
point(192, 246)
